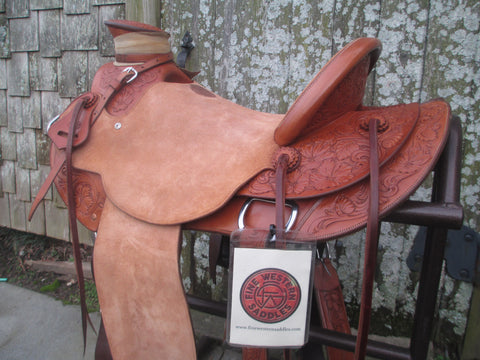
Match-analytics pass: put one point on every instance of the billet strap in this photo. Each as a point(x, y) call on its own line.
point(331, 305)
point(371, 245)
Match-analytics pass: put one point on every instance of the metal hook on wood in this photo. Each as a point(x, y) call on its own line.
point(187, 47)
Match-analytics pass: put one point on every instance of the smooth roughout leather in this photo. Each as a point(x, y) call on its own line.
point(195, 136)
point(140, 289)
point(162, 153)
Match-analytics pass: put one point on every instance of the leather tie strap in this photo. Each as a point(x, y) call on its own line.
point(73, 223)
point(371, 244)
point(54, 170)
point(281, 171)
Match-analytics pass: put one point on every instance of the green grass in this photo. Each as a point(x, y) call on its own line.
point(50, 287)
point(91, 297)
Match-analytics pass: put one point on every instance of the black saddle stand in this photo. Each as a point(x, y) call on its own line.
point(442, 213)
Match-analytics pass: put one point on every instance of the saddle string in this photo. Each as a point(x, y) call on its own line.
point(73, 223)
point(280, 173)
point(371, 245)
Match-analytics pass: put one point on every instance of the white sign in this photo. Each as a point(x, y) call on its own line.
point(269, 300)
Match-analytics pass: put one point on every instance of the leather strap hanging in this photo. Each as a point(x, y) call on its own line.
point(331, 305)
point(371, 245)
point(280, 173)
point(73, 223)
point(281, 167)
point(326, 281)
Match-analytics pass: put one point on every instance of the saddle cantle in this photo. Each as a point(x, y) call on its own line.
point(148, 152)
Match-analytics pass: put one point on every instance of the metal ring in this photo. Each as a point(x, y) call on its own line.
point(131, 69)
point(291, 220)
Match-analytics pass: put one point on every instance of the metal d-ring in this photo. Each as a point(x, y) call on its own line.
point(131, 69)
point(246, 205)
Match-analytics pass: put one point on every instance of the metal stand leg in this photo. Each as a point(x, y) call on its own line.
point(447, 191)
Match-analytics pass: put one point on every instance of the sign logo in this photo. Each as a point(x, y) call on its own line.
point(270, 295)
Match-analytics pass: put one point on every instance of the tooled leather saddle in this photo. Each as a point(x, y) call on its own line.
point(149, 152)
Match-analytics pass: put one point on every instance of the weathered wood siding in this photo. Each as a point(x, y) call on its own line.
point(261, 54)
point(49, 52)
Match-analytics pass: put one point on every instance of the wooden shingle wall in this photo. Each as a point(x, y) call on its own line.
point(49, 52)
point(260, 54)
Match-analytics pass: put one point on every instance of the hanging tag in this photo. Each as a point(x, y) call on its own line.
point(269, 289)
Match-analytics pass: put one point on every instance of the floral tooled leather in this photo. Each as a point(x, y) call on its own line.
point(89, 194)
point(336, 155)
